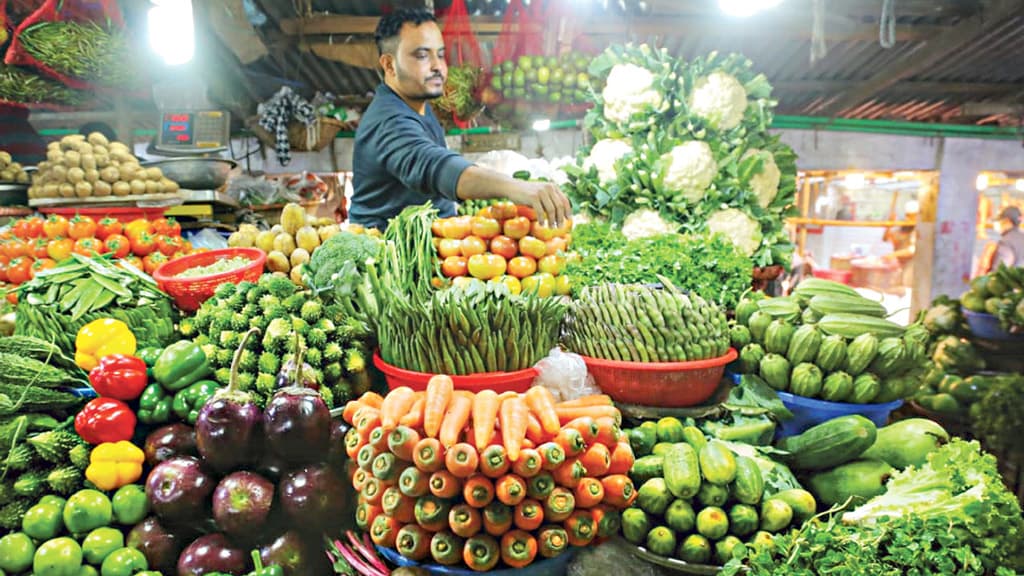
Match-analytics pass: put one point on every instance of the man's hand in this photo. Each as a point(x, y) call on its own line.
point(547, 200)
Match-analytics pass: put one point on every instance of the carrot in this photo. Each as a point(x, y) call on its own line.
point(618, 490)
point(589, 493)
point(587, 401)
point(580, 528)
point(510, 490)
point(518, 548)
point(455, 419)
point(485, 412)
point(529, 515)
point(607, 431)
point(465, 521)
point(514, 417)
point(402, 442)
point(349, 413)
point(372, 399)
point(353, 442)
point(551, 455)
point(396, 404)
point(414, 419)
point(359, 479)
point(373, 490)
point(586, 426)
point(597, 459)
point(527, 443)
point(384, 531)
point(542, 403)
point(621, 459)
point(439, 393)
point(365, 513)
point(461, 460)
point(481, 553)
point(608, 520)
point(529, 463)
point(553, 541)
point(379, 438)
point(497, 518)
point(431, 513)
point(571, 441)
point(569, 473)
point(366, 455)
point(570, 414)
point(494, 461)
point(367, 419)
point(428, 455)
point(444, 484)
point(534, 430)
point(559, 505)
point(540, 486)
point(478, 491)
point(398, 506)
point(413, 482)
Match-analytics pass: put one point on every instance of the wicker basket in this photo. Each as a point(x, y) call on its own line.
point(316, 136)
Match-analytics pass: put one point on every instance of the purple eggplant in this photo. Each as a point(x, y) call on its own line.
point(314, 497)
point(159, 545)
point(336, 453)
point(242, 503)
point(169, 441)
point(296, 372)
point(212, 553)
point(297, 426)
point(292, 553)
point(228, 426)
point(179, 490)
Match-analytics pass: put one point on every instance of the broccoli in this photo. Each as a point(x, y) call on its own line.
point(248, 362)
point(269, 363)
point(250, 310)
point(229, 339)
point(299, 325)
point(276, 311)
point(236, 301)
point(222, 375)
point(332, 372)
point(353, 329)
point(201, 321)
point(317, 338)
point(223, 357)
point(277, 337)
point(314, 357)
point(327, 395)
point(311, 311)
point(265, 384)
point(225, 290)
point(201, 340)
point(279, 286)
point(294, 302)
point(355, 362)
point(314, 374)
point(342, 392)
point(246, 380)
point(239, 322)
point(260, 321)
point(254, 294)
point(210, 349)
point(245, 286)
point(333, 352)
point(187, 327)
point(341, 251)
point(268, 300)
point(326, 325)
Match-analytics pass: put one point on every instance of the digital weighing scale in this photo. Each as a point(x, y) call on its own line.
point(193, 132)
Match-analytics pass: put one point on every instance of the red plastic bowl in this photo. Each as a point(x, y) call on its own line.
point(190, 293)
point(659, 384)
point(841, 276)
point(519, 381)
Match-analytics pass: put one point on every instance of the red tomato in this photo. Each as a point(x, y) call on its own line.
point(135, 228)
point(553, 265)
point(526, 212)
point(514, 286)
point(186, 246)
point(31, 227)
point(167, 226)
point(557, 245)
point(503, 210)
point(168, 245)
point(522, 266)
point(88, 247)
point(12, 297)
point(19, 270)
point(505, 247)
point(42, 264)
point(485, 228)
point(20, 228)
point(486, 266)
point(143, 244)
point(437, 227)
point(55, 226)
point(457, 228)
point(542, 232)
point(108, 227)
point(59, 249)
point(472, 245)
point(153, 261)
point(39, 248)
point(14, 248)
point(454, 266)
point(533, 247)
point(517, 227)
point(81, 227)
point(449, 247)
point(119, 245)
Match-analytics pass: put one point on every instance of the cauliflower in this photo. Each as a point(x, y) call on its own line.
point(766, 182)
point(629, 90)
point(738, 227)
point(719, 99)
point(645, 222)
point(688, 169)
point(603, 156)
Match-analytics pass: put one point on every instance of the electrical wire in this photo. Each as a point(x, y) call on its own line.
point(887, 24)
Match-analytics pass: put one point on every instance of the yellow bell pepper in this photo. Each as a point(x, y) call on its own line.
point(115, 464)
point(101, 338)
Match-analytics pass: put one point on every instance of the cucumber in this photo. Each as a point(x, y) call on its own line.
point(680, 516)
point(670, 429)
point(635, 525)
point(694, 437)
point(695, 549)
point(860, 480)
point(661, 448)
point(748, 487)
point(717, 463)
point(775, 515)
point(743, 519)
point(646, 468)
point(682, 471)
point(801, 501)
point(712, 495)
point(712, 523)
point(830, 443)
point(654, 497)
point(661, 541)
point(727, 548)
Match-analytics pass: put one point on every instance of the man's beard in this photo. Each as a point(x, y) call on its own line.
point(426, 94)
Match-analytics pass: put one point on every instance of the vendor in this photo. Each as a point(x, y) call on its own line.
point(19, 138)
point(904, 243)
point(1009, 250)
point(401, 158)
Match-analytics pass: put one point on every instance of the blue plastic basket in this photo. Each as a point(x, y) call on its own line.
point(808, 412)
point(84, 392)
point(987, 326)
point(544, 567)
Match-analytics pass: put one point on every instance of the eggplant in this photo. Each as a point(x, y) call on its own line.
point(212, 553)
point(297, 426)
point(159, 545)
point(242, 503)
point(292, 553)
point(179, 490)
point(295, 372)
point(314, 498)
point(228, 426)
point(336, 453)
point(169, 441)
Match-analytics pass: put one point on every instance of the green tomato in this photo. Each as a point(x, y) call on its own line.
point(57, 557)
point(16, 552)
point(87, 570)
point(100, 543)
point(42, 521)
point(87, 510)
point(130, 504)
point(124, 562)
point(54, 500)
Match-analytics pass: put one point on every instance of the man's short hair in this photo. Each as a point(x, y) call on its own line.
point(1011, 213)
point(390, 26)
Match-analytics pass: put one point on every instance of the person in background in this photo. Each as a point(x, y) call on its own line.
point(101, 127)
point(904, 243)
point(1009, 250)
point(401, 158)
point(19, 138)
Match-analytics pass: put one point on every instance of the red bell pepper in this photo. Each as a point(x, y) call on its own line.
point(119, 376)
point(105, 420)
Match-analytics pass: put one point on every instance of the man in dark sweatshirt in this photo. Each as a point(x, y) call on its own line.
point(400, 156)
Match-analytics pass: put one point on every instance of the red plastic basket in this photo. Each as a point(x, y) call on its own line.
point(190, 293)
point(519, 381)
point(659, 384)
point(842, 276)
point(123, 214)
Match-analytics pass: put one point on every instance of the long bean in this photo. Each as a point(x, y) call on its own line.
point(82, 50)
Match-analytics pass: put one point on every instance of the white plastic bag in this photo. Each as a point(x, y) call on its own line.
point(208, 238)
point(565, 374)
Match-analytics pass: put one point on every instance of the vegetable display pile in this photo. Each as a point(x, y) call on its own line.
point(999, 293)
point(689, 142)
point(709, 266)
point(637, 323)
point(80, 167)
point(460, 88)
point(828, 342)
point(82, 50)
point(11, 171)
point(698, 501)
point(545, 79)
point(998, 415)
point(218, 267)
point(23, 86)
point(437, 481)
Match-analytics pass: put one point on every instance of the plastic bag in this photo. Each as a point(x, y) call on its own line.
point(612, 557)
point(307, 186)
point(208, 238)
point(252, 191)
point(565, 374)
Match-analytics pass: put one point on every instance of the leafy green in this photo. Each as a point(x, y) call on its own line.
point(998, 417)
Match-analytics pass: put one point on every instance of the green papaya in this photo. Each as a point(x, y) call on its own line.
point(892, 352)
point(907, 442)
point(744, 310)
point(739, 335)
point(758, 325)
point(800, 501)
point(860, 353)
point(865, 389)
point(750, 358)
point(717, 463)
point(860, 479)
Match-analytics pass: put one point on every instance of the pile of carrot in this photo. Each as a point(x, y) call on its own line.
point(453, 477)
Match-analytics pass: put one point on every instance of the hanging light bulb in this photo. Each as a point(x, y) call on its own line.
point(172, 30)
point(745, 8)
point(981, 183)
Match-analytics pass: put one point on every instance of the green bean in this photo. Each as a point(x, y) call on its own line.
point(82, 50)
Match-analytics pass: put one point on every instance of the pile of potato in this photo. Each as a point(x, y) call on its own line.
point(80, 167)
point(289, 244)
point(11, 171)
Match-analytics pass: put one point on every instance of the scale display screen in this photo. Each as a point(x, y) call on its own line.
point(178, 129)
point(193, 130)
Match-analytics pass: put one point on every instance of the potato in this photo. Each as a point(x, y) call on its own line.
point(71, 142)
point(98, 139)
point(138, 187)
point(278, 262)
point(102, 188)
point(249, 229)
point(110, 174)
point(152, 187)
point(76, 175)
point(326, 232)
point(170, 186)
point(59, 174)
point(5, 158)
point(66, 190)
point(50, 191)
point(91, 176)
point(128, 172)
point(72, 159)
point(14, 167)
point(85, 149)
point(154, 174)
point(284, 242)
point(88, 162)
point(102, 160)
point(118, 146)
point(122, 188)
point(276, 229)
point(83, 189)
point(22, 178)
point(6, 176)
point(100, 150)
point(54, 156)
point(121, 156)
point(296, 276)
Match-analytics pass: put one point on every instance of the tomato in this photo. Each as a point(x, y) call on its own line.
point(42, 264)
point(522, 266)
point(28, 227)
point(19, 270)
point(542, 232)
point(40, 248)
point(12, 297)
point(487, 266)
point(55, 226)
point(517, 227)
point(526, 212)
point(514, 286)
point(153, 261)
point(124, 562)
point(541, 284)
point(473, 245)
point(454, 266)
point(457, 228)
point(143, 244)
point(563, 285)
point(167, 226)
point(134, 261)
point(20, 228)
point(58, 557)
point(503, 210)
point(553, 265)
point(88, 247)
point(108, 227)
point(3, 273)
point(565, 228)
point(168, 245)
point(533, 247)
point(137, 227)
point(437, 227)
point(119, 245)
point(505, 247)
point(485, 228)
point(81, 227)
point(557, 245)
point(14, 248)
point(59, 249)
point(16, 552)
point(447, 247)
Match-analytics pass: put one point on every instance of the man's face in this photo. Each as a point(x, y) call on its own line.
point(1004, 225)
point(417, 69)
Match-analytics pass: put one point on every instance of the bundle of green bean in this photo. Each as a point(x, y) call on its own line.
point(477, 329)
point(638, 323)
point(409, 262)
point(26, 87)
point(460, 92)
point(82, 50)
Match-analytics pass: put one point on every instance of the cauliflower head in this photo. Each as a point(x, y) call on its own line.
point(603, 156)
point(629, 90)
point(689, 169)
point(742, 230)
point(719, 99)
point(645, 222)
point(766, 182)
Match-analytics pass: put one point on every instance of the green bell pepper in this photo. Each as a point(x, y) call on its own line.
point(180, 365)
point(154, 405)
point(188, 402)
point(149, 356)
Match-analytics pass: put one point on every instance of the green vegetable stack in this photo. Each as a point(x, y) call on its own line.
point(546, 79)
point(23, 86)
point(1000, 293)
point(460, 89)
point(334, 340)
point(698, 501)
point(829, 342)
point(637, 323)
point(83, 50)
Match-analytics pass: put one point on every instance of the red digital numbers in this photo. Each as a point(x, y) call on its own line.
point(178, 117)
point(182, 138)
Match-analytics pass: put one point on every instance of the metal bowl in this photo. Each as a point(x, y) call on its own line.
point(13, 194)
point(195, 173)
